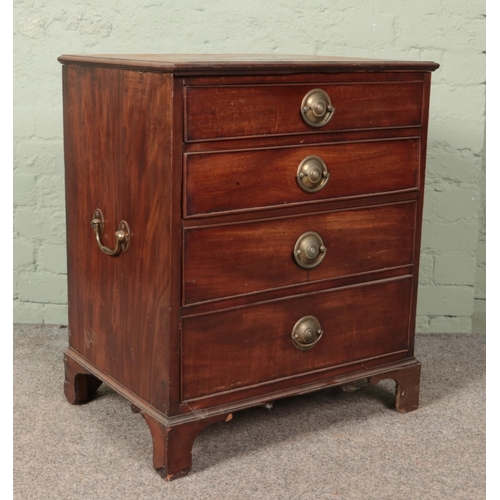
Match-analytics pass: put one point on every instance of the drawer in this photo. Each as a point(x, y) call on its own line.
point(231, 111)
point(248, 257)
point(252, 345)
point(245, 180)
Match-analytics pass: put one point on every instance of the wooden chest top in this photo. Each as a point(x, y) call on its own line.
point(199, 64)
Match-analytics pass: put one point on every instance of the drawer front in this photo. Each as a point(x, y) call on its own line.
point(241, 258)
point(246, 180)
point(252, 345)
point(216, 112)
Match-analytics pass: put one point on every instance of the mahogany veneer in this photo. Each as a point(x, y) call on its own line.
point(358, 169)
point(231, 284)
point(239, 258)
point(255, 110)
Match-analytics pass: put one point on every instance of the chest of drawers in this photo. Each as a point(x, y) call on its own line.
point(240, 230)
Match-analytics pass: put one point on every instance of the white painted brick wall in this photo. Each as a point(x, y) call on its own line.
point(450, 32)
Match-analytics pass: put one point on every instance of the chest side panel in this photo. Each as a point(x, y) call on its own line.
point(118, 127)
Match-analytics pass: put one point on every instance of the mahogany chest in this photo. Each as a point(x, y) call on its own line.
point(240, 229)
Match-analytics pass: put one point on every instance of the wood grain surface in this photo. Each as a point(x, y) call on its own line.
point(235, 259)
point(118, 147)
point(256, 179)
point(258, 110)
point(239, 348)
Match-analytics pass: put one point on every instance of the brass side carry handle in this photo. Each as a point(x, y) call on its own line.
point(122, 235)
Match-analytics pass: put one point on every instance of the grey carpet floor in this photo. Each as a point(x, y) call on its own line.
point(327, 445)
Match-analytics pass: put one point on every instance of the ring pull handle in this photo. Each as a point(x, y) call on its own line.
point(122, 235)
point(309, 250)
point(316, 108)
point(306, 333)
point(312, 174)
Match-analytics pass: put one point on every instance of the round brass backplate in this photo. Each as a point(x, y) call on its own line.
point(306, 333)
point(316, 108)
point(309, 250)
point(312, 174)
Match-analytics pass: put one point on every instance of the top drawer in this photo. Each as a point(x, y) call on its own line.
point(237, 111)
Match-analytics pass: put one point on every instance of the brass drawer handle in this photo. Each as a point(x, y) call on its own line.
point(312, 174)
point(306, 333)
point(122, 235)
point(309, 250)
point(316, 108)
